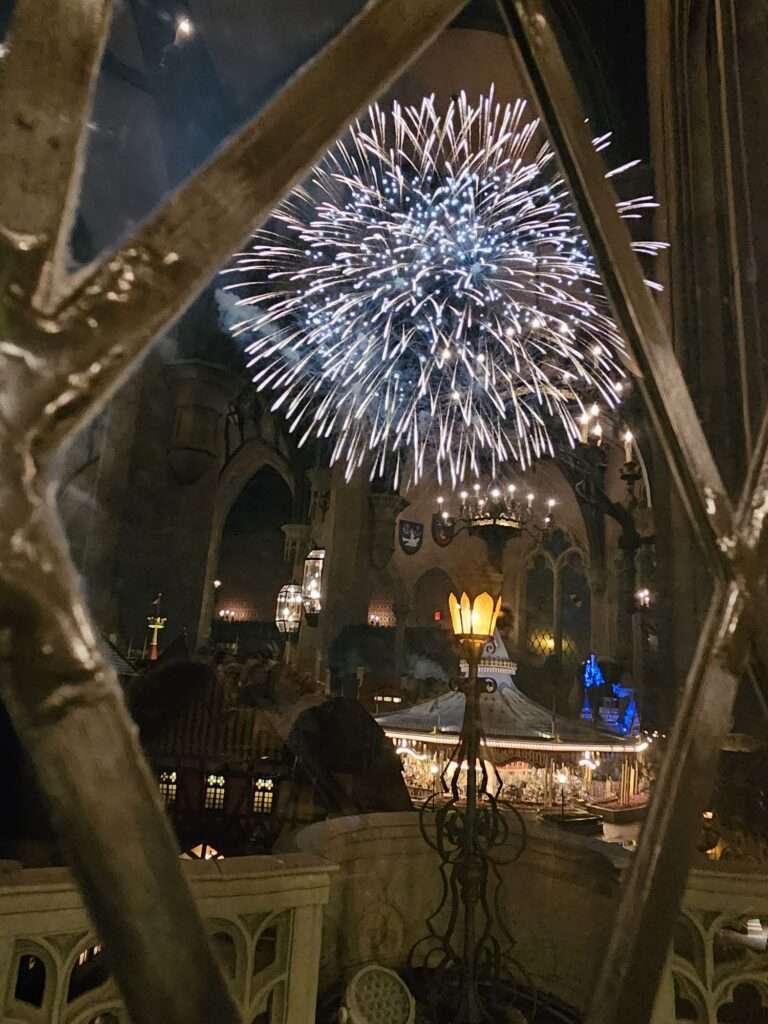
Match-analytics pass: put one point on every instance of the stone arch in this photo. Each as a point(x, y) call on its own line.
point(691, 1003)
point(744, 999)
point(251, 457)
point(689, 942)
point(35, 980)
point(430, 594)
point(252, 555)
point(574, 601)
point(230, 946)
point(536, 605)
point(86, 970)
point(554, 601)
point(385, 593)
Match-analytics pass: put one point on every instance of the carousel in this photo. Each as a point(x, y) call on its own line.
point(535, 757)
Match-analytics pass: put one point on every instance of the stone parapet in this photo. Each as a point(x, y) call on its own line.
point(264, 916)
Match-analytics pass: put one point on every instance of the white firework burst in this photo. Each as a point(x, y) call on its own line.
point(429, 299)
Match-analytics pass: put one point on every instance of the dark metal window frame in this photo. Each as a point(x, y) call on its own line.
point(66, 340)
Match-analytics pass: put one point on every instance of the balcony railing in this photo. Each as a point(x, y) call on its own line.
point(263, 916)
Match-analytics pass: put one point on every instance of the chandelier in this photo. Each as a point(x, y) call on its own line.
point(483, 507)
point(496, 512)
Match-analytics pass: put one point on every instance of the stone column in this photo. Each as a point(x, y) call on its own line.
point(402, 610)
point(201, 394)
point(385, 508)
point(296, 548)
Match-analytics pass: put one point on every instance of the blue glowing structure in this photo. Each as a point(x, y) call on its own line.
point(630, 721)
point(593, 674)
point(627, 723)
point(429, 298)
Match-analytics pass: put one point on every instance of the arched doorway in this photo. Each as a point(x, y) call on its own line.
point(251, 565)
point(249, 460)
point(430, 598)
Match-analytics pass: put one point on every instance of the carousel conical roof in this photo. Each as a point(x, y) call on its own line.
point(509, 718)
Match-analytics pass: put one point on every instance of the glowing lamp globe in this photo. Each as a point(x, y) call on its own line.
point(288, 610)
point(474, 619)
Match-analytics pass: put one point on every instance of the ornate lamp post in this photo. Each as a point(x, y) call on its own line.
point(468, 836)
point(473, 624)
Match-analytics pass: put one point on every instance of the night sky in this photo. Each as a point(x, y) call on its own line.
point(604, 43)
point(239, 53)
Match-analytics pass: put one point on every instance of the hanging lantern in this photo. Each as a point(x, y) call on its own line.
point(288, 610)
point(312, 584)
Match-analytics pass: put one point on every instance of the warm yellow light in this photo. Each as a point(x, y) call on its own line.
point(474, 618)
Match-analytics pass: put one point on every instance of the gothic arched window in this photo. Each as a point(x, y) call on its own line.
point(557, 602)
point(575, 611)
point(540, 607)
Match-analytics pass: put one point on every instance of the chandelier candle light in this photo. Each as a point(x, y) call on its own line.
point(510, 506)
point(428, 297)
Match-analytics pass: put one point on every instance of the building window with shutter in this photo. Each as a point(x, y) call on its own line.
point(215, 786)
point(263, 794)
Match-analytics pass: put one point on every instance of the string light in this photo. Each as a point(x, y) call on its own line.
point(428, 298)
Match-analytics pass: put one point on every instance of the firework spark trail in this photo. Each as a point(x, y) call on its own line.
point(429, 298)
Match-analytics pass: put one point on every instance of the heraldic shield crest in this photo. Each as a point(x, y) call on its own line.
point(411, 536)
point(442, 531)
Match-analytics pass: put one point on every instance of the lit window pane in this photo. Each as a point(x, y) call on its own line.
point(215, 786)
point(263, 794)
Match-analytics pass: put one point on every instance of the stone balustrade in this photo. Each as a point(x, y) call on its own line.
point(718, 966)
point(264, 915)
point(275, 936)
point(559, 900)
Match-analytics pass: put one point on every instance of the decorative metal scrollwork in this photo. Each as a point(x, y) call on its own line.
point(466, 956)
